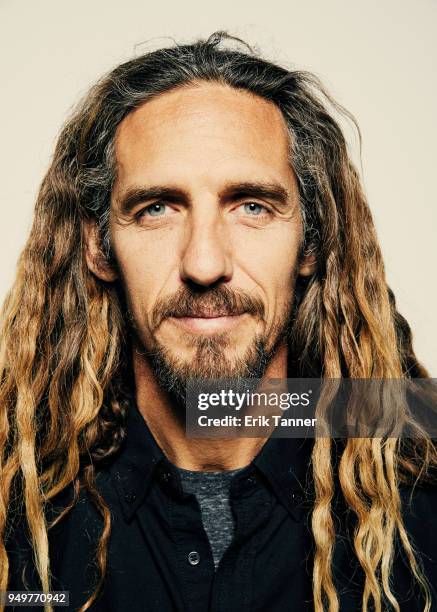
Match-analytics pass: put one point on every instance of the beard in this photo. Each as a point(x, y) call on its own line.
point(210, 367)
point(210, 364)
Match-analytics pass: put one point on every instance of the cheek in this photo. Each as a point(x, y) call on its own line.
point(271, 261)
point(144, 266)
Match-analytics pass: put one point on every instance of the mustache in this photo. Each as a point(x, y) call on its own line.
point(219, 301)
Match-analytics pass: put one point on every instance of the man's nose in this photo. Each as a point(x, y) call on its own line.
point(206, 257)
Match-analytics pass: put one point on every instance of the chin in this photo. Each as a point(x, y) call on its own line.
point(210, 360)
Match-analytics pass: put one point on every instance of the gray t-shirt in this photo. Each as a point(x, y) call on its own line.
point(212, 492)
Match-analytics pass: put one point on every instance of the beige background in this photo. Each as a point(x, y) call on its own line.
point(378, 57)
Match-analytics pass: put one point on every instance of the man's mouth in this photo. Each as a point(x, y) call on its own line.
point(209, 320)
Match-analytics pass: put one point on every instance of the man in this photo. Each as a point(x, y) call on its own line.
point(202, 219)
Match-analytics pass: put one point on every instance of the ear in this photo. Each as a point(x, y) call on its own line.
point(307, 264)
point(96, 261)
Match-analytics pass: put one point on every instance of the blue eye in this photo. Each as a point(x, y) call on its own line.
point(155, 210)
point(254, 208)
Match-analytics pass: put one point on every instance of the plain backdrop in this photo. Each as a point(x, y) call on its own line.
point(377, 57)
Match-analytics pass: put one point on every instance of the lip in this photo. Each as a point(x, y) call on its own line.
point(208, 323)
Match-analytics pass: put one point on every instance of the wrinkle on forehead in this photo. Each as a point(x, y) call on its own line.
point(205, 108)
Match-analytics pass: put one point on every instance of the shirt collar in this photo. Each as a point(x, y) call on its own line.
point(284, 462)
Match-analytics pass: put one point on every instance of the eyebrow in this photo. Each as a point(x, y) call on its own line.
point(232, 192)
point(260, 190)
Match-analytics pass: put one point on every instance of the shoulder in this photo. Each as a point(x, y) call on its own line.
point(73, 538)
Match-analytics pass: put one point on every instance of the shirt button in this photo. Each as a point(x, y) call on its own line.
point(194, 558)
point(296, 498)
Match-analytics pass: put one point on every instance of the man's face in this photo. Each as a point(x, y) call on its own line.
point(206, 228)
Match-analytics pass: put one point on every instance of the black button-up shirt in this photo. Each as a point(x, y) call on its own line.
point(159, 558)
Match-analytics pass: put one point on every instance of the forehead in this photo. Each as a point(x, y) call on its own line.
point(204, 128)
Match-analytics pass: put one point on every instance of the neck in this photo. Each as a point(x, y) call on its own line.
point(201, 454)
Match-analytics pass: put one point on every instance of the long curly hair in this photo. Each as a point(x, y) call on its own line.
point(64, 339)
